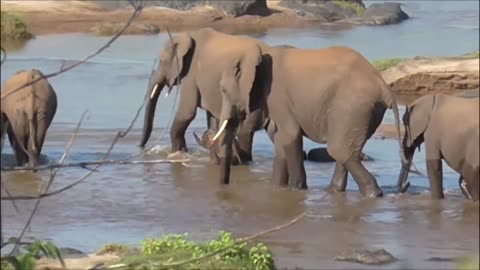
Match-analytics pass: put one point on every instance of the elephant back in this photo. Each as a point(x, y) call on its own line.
point(41, 87)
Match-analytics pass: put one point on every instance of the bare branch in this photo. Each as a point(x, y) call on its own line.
point(136, 12)
point(83, 164)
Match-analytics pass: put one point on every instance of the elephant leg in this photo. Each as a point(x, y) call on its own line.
point(435, 177)
point(295, 163)
point(280, 170)
point(338, 182)
point(463, 187)
point(472, 184)
point(245, 140)
point(15, 141)
point(33, 147)
point(212, 124)
point(184, 115)
point(366, 182)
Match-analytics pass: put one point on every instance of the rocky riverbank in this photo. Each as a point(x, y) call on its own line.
point(48, 17)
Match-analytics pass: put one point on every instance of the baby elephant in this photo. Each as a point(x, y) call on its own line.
point(26, 114)
point(214, 147)
point(450, 128)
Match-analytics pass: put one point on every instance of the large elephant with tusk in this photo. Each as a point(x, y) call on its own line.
point(200, 60)
point(331, 95)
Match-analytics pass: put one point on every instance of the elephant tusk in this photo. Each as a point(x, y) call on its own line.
point(154, 91)
point(220, 131)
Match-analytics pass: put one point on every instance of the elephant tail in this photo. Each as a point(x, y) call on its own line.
point(391, 102)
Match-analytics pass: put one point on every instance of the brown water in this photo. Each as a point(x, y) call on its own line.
point(128, 203)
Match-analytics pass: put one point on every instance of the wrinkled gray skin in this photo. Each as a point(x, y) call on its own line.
point(449, 127)
point(26, 115)
point(201, 59)
point(332, 95)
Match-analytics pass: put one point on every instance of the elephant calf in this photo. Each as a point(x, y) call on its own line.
point(449, 126)
point(26, 114)
point(214, 147)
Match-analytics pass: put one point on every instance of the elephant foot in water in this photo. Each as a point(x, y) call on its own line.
point(320, 154)
point(206, 141)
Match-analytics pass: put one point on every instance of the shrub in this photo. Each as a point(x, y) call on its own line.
point(13, 27)
point(346, 4)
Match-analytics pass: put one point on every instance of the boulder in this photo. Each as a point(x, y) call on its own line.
point(233, 8)
point(384, 13)
point(321, 155)
point(325, 9)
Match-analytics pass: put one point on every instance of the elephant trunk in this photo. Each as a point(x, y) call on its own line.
point(227, 153)
point(154, 89)
point(403, 184)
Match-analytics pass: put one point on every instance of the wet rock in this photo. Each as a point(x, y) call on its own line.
point(321, 155)
point(71, 253)
point(384, 13)
point(365, 256)
point(326, 10)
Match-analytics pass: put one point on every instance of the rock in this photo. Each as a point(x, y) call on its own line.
point(423, 76)
point(321, 155)
point(70, 253)
point(384, 13)
point(241, 7)
point(136, 28)
point(326, 10)
point(234, 8)
point(370, 257)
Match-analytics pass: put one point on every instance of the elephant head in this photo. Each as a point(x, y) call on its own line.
point(242, 93)
point(175, 59)
point(415, 119)
point(213, 146)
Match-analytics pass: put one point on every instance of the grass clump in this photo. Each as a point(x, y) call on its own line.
point(13, 27)
point(383, 64)
point(172, 248)
point(347, 4)
point(118, 249)
point(467, 263)
point(28, 258)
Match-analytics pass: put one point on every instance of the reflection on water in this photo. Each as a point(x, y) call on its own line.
point(128, 203)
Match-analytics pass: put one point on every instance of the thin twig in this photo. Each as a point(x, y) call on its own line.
point(52, 178)
point(137, 10)
point(83, 164)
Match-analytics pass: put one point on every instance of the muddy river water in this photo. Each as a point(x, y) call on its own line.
point(128, 203)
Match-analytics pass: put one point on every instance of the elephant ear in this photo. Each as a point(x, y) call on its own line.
point(417, 119)
point(180, 46)
point(250, 92)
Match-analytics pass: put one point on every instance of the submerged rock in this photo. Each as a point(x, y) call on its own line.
point(325, 9)
point(321, 155)
point(370, 257)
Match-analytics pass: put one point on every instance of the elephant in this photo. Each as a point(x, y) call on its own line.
point(330, 95)
point(27, 114)
point(199, 60)
point(449, 126)
point(214, 147)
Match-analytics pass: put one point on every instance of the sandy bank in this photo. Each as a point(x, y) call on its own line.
point(49, 17)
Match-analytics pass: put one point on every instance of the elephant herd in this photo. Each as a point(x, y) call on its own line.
point(330, 95)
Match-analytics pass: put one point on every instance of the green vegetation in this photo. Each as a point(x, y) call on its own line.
point(347, 4)
point(383, 64)
point(13, 27)
point(467, 263)
point(28, 259)
point(118, 249)
point(175, 251)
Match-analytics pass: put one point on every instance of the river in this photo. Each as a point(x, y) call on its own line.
point(128, 203)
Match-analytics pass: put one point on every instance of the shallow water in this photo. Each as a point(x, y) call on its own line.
point(127, 203)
